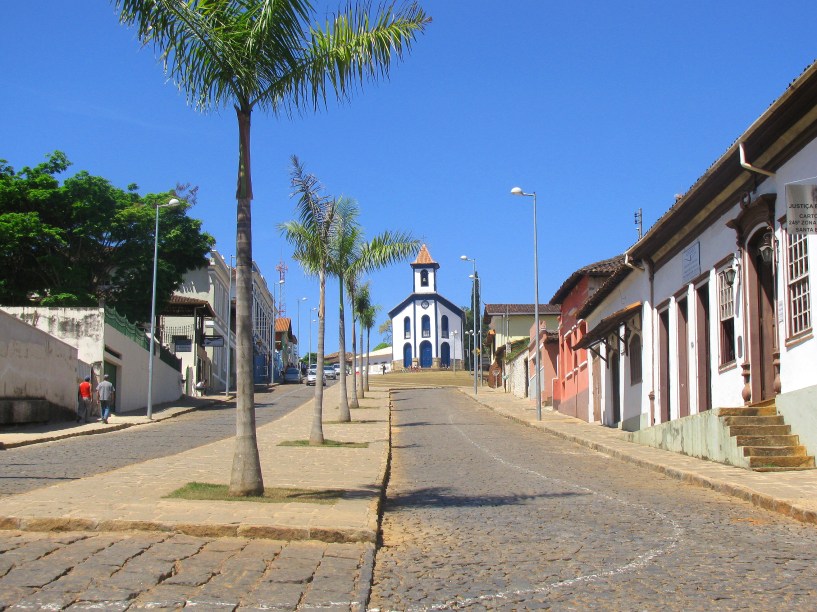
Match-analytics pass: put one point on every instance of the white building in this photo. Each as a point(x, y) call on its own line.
point(426, 327)
point(714, 309)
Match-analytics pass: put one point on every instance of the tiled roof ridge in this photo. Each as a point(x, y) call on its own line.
point(424, 257)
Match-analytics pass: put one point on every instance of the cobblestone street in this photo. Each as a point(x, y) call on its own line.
point(483, 513)
point(165, 572)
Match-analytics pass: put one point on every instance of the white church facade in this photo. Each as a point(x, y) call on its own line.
point(427, 329)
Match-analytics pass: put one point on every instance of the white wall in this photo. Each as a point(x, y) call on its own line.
point(34, 364)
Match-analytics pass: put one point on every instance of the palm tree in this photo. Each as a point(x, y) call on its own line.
point(311, 237)
point(264, 54)
point(352, 288)
point(362, 302)
point(345, 248)
point(367, 320)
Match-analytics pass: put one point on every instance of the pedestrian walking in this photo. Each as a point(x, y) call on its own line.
point(384, 369)
point(106, 394)
point(84, 407)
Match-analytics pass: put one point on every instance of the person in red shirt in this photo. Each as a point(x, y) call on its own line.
point(84, 408)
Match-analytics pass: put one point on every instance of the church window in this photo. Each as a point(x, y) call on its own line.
point(424, 278)
point(444, 327)
point(426, 326)
point(407, 328)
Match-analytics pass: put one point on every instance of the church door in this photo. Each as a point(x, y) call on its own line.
point(445, 355)
point(425, 354)
point(407, 355)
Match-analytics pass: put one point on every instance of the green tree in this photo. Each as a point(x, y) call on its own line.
point(85, 241)
point(362, 301)
point(385, 330)
point(310, 237)
point(264, 54)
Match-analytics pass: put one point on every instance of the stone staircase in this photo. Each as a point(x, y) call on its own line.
point(767, 442)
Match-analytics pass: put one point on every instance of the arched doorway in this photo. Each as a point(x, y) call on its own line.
point(407, 355)
point(425, 354)
point(445, 355)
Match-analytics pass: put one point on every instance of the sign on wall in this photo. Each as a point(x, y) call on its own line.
point(691, 261)
point(214, 341)
point(801, 208)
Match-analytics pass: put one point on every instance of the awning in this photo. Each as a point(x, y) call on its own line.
point(182, 306)
point(608, 324)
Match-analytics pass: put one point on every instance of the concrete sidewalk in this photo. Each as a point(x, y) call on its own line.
point(133, 498)
point(791, 493)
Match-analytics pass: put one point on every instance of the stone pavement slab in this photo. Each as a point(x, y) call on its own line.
point(791, 493)
point(133, 497)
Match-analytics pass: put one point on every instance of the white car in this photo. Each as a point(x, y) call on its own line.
point(336, 367)
point(329, 372)
point(312, 377)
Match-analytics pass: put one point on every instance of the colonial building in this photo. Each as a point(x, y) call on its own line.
point(426, 327)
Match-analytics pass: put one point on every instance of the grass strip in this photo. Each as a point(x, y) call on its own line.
point(272, 495)
point(326, 444)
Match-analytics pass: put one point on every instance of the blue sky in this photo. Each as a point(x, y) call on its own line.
point(600, 107)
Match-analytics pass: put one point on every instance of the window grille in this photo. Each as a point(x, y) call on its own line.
point(798, 284)
point(726, 310)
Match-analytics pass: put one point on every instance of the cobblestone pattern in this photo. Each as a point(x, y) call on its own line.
point(169, 572)
point(483, 513)
point(29, 467)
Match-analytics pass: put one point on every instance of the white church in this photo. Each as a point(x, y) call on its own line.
point(427, 329)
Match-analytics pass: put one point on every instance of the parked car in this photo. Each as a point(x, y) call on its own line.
point(293, 375)
point(329, 372)
point(336, 367)
point(312, 377)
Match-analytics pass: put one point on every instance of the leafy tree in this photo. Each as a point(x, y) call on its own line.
point(382, 345)
point(385, 329)
point(85, 241)
point(310, 237)
point(265, 54)
point(362, 302)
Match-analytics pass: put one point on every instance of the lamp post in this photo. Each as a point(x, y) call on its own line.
point(172, 202)
point(274, 333)
point(311, 321)
point(298, 359)
point(474, 316)
point(478, 282)
point(229, 325)
point(455, 333)
point(518, 192)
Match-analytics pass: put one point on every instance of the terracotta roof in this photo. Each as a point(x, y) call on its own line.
point(605, 267)
point(424, 257)
point(603, 291)
point(184, 306)
point(520, 309)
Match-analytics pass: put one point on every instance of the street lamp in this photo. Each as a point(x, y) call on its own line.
point(298, 358)
point(518, 192)
point(474, 316)
point(229, 324)
point(311, 321)
point(172, 202)
point(478, 282)
point(455, 333)
point(274, 331)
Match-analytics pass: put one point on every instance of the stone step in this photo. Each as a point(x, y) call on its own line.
point(748, 411)
point(790, 440)
point(781, 462)
point(781, 469)
point(754, 420)
point(774, 451)
point(760, 430)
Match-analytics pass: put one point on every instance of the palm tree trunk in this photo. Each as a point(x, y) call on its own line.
point(368, 350)
point(316, 433)
point(245, 478)
point(362, 366)
point(355, 403)
point(345, 416)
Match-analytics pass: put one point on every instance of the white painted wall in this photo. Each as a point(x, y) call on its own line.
point(34, 364)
